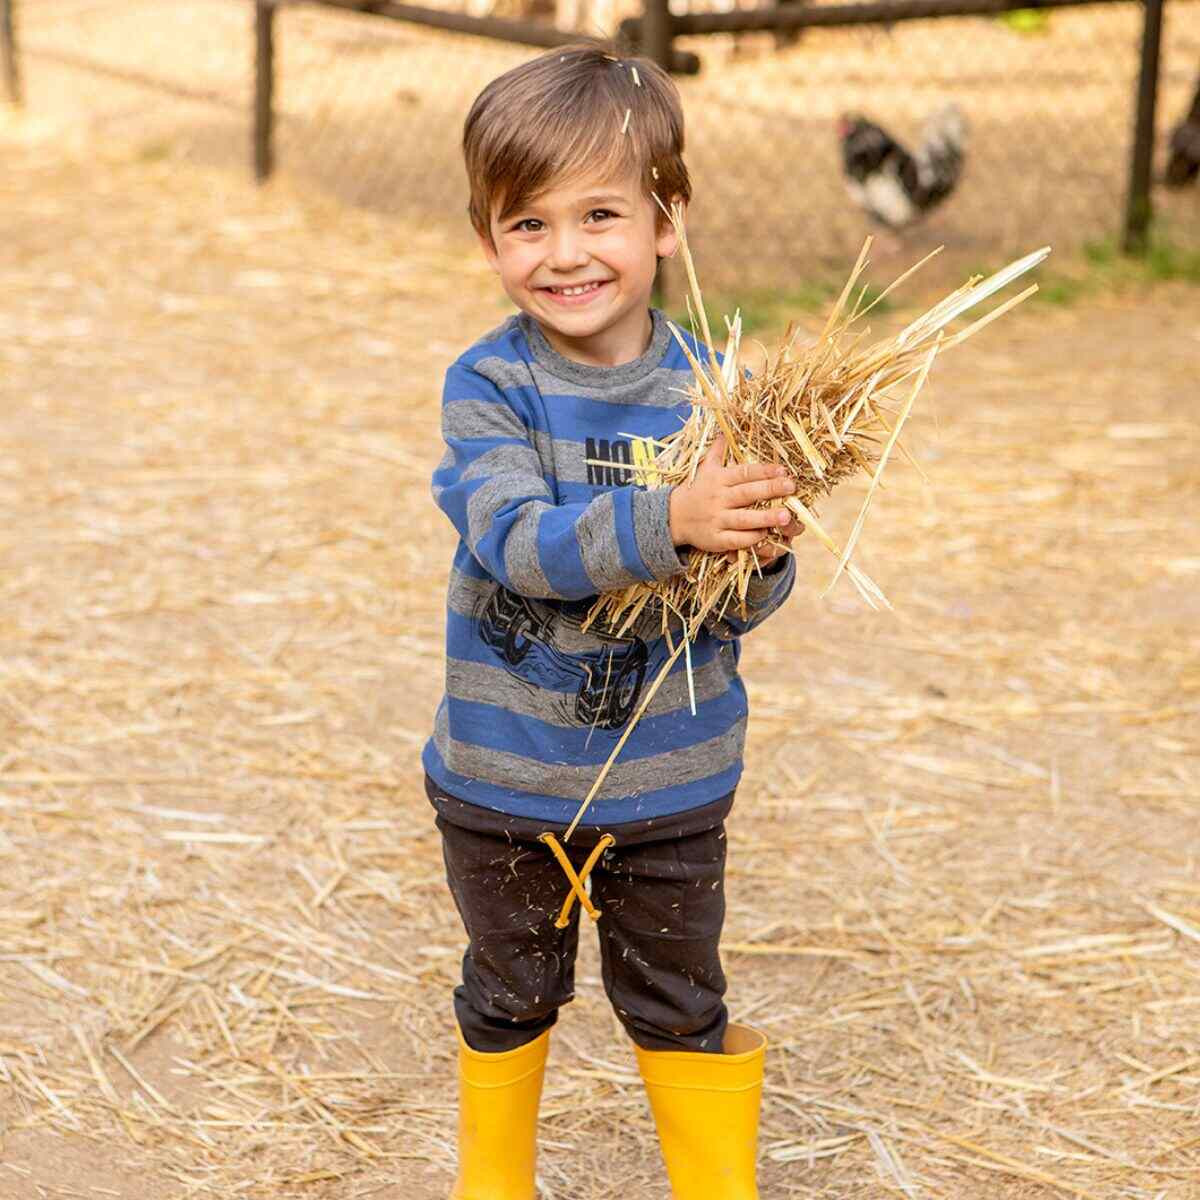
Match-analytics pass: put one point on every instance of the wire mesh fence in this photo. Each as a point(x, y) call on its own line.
point(371, 110)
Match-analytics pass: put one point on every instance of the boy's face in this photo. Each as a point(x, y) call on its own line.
point(595, 234)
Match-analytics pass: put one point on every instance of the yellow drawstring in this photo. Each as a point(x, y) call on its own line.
point(577, 881)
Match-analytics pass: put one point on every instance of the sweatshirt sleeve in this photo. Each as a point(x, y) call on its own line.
point(491, 486)
point(764, 595)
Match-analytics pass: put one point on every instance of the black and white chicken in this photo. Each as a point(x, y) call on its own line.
point(895, 187)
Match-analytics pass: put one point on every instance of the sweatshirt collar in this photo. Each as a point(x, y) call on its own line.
point(566, 368)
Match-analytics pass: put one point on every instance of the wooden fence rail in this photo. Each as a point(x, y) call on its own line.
point(10, 71)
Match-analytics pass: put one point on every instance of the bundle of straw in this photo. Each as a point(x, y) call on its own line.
point(824, 411)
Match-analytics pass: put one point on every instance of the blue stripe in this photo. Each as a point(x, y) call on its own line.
point(585, 493)
point(631, 556)
point(554, 810)
point(496, 728)
point(509, 346)
point(585, 417)
point(674, 358)
point(596, 418)
point(524, 400)
point(472, 448)
point(466, 563)
point(455, 495)
point(559, 554)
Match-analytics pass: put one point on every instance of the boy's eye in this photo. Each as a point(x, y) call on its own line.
point(602, 214)
point(528, 225)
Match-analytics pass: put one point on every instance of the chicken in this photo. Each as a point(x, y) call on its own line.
point(894, 187)
point(1183, 165)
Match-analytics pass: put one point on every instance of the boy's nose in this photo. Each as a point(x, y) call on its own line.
point(566, 251)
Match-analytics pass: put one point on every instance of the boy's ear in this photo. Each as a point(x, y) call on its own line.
point(667, 241)
point(489, 251)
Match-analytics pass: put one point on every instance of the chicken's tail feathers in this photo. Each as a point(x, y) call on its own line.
point(1183, 165)
point(945, 131)
point(939, 156)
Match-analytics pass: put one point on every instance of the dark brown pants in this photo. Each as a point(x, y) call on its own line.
point(662, 905)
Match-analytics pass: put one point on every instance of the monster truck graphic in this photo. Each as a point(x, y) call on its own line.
point(606, 681)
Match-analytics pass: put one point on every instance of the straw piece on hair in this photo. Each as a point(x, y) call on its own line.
point(625, 123)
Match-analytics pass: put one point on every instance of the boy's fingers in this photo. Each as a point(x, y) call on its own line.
point(736, 539)
point(750, 472)
point(716, 452)
point(762, 489)
point(756, 518)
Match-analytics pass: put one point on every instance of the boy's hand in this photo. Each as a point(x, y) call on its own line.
point(714, 511)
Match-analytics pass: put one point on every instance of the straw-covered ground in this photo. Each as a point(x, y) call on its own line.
point(964, 897)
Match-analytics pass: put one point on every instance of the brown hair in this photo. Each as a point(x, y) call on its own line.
point(573, 110)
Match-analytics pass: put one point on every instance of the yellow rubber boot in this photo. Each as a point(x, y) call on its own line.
point(498, 1096)
point(706, 1109)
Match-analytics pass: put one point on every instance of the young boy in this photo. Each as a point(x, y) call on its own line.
point(544, 420)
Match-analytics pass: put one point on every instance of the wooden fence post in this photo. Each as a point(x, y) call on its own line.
point(657, 32)
point(9, 66)
point(657, 38)
point(264, 89)
point(1138, 209)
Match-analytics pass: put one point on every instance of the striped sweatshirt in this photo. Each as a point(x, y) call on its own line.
point(537, 480)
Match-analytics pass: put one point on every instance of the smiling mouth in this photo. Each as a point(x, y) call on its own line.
point(580, 289)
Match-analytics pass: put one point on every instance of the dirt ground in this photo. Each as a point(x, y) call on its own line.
point(964, 901)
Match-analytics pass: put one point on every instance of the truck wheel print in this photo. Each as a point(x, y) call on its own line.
point(605, 681)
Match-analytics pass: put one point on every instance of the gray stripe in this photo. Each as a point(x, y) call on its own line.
point(437, 489)
point(660, 388)
point(653, 392)
point(763, 588)
point(547, 450)
point(502, 330)
point(493, 495)
point(626, 779)
point(482, 684)
point(763, 595)
point(652, 530)
point(506, 374)
point(480, 419)
point(518, 465)
point(522, 563)
point(466, 593)
point(596, 533)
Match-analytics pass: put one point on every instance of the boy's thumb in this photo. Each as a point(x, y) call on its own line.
point(716, 453)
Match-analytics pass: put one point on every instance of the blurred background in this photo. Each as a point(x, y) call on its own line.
point(1036, 106)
